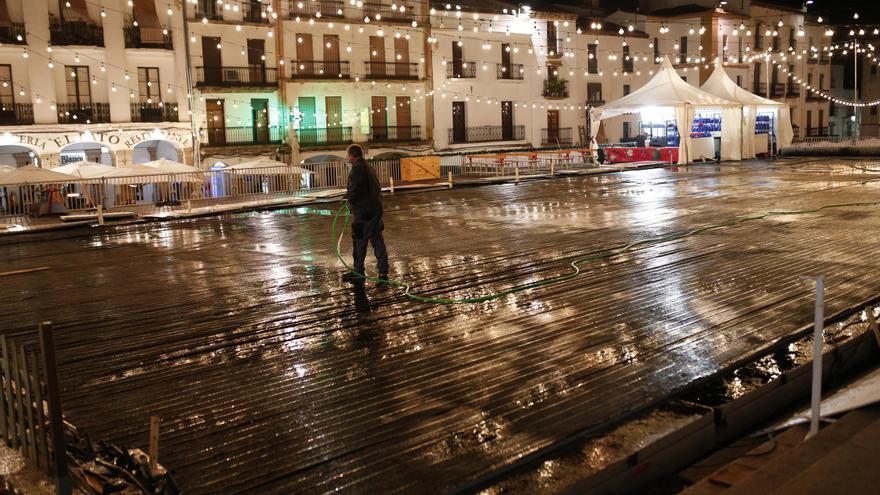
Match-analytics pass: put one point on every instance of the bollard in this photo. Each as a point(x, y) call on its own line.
point(392, 184)
point(516, 174)
point(100, 215)
point(552, 168)
point(189, 206)
point(450, 180)
point(154, 443)
point(816, 398)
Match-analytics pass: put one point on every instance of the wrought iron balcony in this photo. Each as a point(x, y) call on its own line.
point(386, 134)
point(510, 71)
point(813, 59)
point(83, 113)
point(310, 8)
point(559, 136)
point(794, 90)
point(236, 77)
point(595, 101)
point(14, 34)
point(760, 89)
point(318, 69)
point(76, 33)
point(208, 9)
point(385, 13)
point(328, 136)
point(468, 70)
point(244, 136)
point(777, 90)
point(392, 70)
point(556, 88)
point(159, 111)
point(142, 37)
point(16, 114)
point(254, 12)
point(486, 133)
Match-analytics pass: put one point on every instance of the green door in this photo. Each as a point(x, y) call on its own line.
point(307, 132)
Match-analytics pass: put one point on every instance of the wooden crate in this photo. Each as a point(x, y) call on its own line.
point(419, 168)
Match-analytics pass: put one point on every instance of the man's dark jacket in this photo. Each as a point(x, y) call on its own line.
point(364, 191)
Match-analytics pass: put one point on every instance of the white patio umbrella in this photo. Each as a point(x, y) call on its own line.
point(171, 167)
point(86, 170)
point(265, 166)
point(31, 174)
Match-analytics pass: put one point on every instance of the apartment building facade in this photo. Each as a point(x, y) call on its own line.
point(87, 81)
point(299, 80)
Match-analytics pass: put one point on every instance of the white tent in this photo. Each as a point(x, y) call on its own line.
point(171, 167)
point(31, 174)
point(668, 92)
point(720, 84)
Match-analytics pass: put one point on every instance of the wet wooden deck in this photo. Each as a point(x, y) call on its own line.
point(272, 376)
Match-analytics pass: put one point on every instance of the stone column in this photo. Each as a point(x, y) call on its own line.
point(40, 76)
point(114, 53)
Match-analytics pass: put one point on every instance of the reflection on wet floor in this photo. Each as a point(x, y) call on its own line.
point(272, 376)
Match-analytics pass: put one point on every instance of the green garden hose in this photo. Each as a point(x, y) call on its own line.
point(575, 269)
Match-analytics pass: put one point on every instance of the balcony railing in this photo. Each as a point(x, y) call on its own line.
point(813, 59)
point(317, 69)
point(595, 101)
point(253, 12)
point(13, 34)
point(208, 9)
point(794, 90)
point(468, 70)
point(777, 90)
point(76, 33)
point(487, 133)
point(160, 111)
point(83, 113)
point(309, 8)
point(328, 136)
point(556, 88)
point(244, 136)
point(559, 136)
point(760, 89)
point(385, 13)
point(510, 71)
point(392, 70)
point(141, 37)
point(16, 114)
point(824, 59)
point(254, 75)
point(386, 134)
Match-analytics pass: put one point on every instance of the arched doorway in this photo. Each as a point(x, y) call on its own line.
point(87, 151)
point(155, 149)
point(15, 155)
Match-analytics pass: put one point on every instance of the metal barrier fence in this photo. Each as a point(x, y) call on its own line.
point(146, 193)
point(149, 193)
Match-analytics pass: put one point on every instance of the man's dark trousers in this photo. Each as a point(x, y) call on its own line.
point(367, 229)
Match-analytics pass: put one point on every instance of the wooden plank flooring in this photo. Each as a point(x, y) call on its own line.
point(272, 376)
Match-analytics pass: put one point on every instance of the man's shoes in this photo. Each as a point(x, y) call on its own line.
point(353, 278)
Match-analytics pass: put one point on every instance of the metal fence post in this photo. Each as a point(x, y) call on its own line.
point(56, 421)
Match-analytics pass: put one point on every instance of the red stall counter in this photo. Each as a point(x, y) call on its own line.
point(628, 155)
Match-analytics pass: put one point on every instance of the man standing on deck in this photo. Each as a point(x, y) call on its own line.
point(364, 197)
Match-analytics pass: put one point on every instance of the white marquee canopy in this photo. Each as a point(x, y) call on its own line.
point(720, 84)
point(667, 91)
